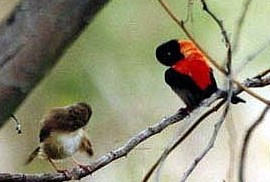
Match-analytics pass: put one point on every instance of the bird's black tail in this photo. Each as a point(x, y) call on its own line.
point(235, 99)
point(32, 156)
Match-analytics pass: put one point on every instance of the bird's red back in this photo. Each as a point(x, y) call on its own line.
point(194, 65)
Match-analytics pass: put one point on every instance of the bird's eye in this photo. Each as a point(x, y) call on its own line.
point(169, 53)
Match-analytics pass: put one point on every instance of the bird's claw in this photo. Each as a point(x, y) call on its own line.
point(85, 167)
point(184, 111)
point(65, 172)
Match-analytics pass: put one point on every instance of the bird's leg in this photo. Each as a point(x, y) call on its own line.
point(66, 173)
point(185, 111)
point(83, 166)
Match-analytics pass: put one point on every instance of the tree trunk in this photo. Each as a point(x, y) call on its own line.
point(32, 39)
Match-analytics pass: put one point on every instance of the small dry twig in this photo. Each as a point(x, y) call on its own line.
point(229, 57)
point(240, 24)
point(181, 138)
point(182, 26)
point(230, 94)
point(223, 33)
point(248, 83)
point(250, 57)
point(209, 146)
point(118, 153)
point(247, 138)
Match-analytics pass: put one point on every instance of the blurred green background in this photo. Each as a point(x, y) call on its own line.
point(112, 66)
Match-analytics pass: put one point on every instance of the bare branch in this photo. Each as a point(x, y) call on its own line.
point(224, 34)
point(263, 73)
point(183, 136)
point(229, 56)
point(247, 138)
point(209, 146)
point(23, 89)
point(33, 177)
point(106, 159)
point(253, 55)
point(240, 25)
point(211, 60)
point(253, 82)
point(260, 80)
point(32, 39)
point(230, 94)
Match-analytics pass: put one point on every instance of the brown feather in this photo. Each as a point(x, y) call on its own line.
point(86, 146)
point(62, 133)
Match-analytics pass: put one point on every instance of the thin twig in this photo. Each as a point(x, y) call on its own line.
point(239, 24)
point(115, 154)
point(209, 146)
point(263, 73)
point(253, 55)
point(253, 94)
point(210, 59)
point(213, 138)
point(247, 138)
point(262, 78)
point(224, 34)
point(182, 26)
point(248, 83)
point(226, 110)
point(183, 136)
point(229, 61)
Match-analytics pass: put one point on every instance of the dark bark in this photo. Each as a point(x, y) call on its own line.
point(32, 39)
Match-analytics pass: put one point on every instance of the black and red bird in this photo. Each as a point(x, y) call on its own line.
point(189, 75)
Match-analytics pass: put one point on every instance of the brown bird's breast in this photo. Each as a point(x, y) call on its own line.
point(60, 144)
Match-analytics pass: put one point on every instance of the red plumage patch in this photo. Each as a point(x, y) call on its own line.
point(194, 65)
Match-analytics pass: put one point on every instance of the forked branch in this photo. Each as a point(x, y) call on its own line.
point(182, 26)
point(124, 150)
point(244, 149)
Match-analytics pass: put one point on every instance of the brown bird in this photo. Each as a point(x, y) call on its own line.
point(63, 134)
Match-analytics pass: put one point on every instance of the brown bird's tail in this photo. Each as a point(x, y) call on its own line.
point(32, 156)
point(86, 146)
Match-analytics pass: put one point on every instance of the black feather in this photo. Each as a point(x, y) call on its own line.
point(187, 89)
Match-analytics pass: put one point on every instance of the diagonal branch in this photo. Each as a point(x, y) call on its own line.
point(182, 26)
point(240, 25)
point(182, 138)
point(246, 143)
point(32, 39)
point(209, 146)
point(230, 94)
point(224, 34)
point(262, 74)
point(122, 151)
point(253, 82)
point(213, 138)
point(250, 57)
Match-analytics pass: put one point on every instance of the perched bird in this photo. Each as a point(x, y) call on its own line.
point(189, 75)
point(63, 134)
